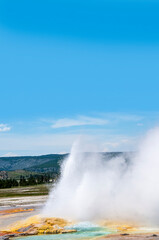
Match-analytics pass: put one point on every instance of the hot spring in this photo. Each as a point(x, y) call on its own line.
point(85, 230)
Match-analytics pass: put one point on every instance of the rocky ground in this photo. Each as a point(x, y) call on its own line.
point(137, 236)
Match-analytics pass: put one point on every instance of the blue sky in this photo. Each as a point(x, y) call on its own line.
point(70, 68)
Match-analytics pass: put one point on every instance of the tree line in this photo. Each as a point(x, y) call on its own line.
point(30, 181)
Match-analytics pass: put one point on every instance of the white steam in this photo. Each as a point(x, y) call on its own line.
point(92, 187)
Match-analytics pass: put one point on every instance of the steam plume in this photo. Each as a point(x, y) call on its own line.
point(92, 187)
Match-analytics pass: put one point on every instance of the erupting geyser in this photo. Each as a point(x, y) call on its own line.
point(93, 188)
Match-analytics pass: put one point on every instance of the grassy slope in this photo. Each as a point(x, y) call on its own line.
point(17, 173)
point(29, 162)
point(49, 164)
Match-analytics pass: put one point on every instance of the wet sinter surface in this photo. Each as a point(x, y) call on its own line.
point(85, 230)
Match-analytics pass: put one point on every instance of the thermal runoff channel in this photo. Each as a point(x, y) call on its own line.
point(92, 187)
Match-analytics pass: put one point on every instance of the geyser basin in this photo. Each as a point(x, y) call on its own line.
point(85, 230)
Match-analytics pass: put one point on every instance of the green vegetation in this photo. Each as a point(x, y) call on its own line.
point(8, 183)
point(29, 175)
point(37, 190)
point(33, 163)
point(30, 181)
point(18, 173)
point(49, 164)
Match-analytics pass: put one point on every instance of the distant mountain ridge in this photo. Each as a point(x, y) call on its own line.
point(29, 162)
point(43, 163)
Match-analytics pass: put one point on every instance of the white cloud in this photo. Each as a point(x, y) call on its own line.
point(4, 128)
point(80, 121)
point(10, 154)
point(41, 139)
point(122, 117)
point(25, 144)
point(57, 143)
point(101, 119)
point(129, 117)
point(120, 143)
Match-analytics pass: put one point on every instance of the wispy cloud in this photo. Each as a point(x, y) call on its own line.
point(10, 154)
point(27, 144)
point(120, 143)
point(122, 117)
point(15, 144)
point(111, 131)
point(79, 121)
point(4, 127)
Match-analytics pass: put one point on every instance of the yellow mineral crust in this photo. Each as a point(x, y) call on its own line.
point(120, 227)
point(39, 225)
point(24, 223)
point(16, 210)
